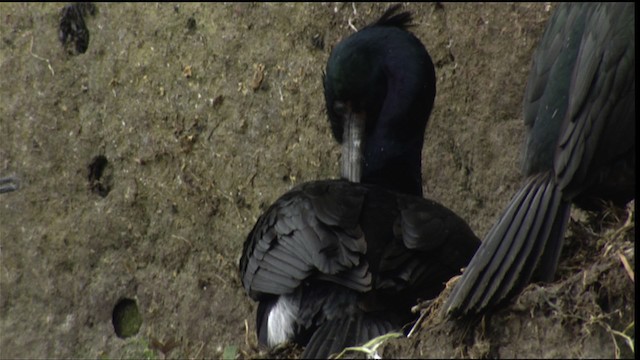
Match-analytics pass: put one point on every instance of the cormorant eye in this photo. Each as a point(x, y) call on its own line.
point(340, 107)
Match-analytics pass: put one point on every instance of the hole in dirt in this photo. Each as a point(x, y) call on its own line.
point(191, 24)
point(126, 318)
point(97, 183)
point(602, 297)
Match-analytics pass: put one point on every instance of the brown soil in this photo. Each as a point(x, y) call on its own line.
point(205, 114)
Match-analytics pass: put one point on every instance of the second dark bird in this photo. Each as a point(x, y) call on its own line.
point(580, 114)
point(334, 263)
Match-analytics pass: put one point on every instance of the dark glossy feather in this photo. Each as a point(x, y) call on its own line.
point(334, 263)
point(387, 256)
point(579, 109)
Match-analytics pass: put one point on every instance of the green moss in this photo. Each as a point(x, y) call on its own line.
point(126, 318)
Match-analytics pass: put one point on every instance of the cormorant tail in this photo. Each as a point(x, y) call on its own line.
point(529, 235)
point(336, 334)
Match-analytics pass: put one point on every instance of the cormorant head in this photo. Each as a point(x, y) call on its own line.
point(379, 88)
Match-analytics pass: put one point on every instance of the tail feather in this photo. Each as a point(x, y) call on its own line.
point(336, 334)
point(512, 234)
point(549, 211)
point(548, 264)
point(529, 235)
point(486, 252)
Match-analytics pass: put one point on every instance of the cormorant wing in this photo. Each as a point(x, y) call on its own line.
point(311, 230)
point(601, 112)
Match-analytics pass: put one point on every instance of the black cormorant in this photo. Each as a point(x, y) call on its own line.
point(579, 110)
point(335, 263)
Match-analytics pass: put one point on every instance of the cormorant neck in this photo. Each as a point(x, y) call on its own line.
point(401, 172)
point(384, 74)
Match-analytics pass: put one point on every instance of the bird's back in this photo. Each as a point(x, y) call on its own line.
point(331, 251)
point(579, 110)
point(579, 104)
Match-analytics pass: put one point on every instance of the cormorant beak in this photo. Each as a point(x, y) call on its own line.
point(352, 142)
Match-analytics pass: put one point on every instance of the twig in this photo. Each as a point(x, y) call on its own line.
point(627, 267)
point(199, 350)
point(424, 311)
point(371, 347)
point(355, 13)
point(349, 21)
point(183, 239)
point(41, 58)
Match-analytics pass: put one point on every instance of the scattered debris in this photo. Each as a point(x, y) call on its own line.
point(258, 76)
point(41, 58)
point(370, 349)
point(187, 71)
point(8, 184)
point(164, 347)
point(317, 41)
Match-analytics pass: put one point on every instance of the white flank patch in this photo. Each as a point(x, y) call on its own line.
point(281, 321)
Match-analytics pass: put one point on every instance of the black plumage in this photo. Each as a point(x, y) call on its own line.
point(381, 81)
point(579, 110)
point(358, 255)
point(335, 263)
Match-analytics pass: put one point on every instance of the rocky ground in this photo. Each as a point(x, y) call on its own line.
point(144, 161)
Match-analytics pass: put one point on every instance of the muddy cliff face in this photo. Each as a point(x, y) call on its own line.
point(144, 160)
